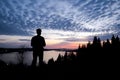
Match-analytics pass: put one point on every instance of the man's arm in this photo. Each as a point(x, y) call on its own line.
point(32, 42)
point(44, 43)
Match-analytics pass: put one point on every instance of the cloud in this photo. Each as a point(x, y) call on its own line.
point(9, 29)
point(74, 39)
point(24, 40)
point(60, 18)
point(62, 45)
point(2, 39)
point(12, 45)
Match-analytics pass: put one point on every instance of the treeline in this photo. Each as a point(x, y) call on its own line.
point(97, 47)
point(114, 42)
point(97, 55)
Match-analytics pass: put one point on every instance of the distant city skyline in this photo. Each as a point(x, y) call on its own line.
point(64, 23)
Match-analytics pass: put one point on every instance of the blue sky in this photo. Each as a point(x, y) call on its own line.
point(63, 22)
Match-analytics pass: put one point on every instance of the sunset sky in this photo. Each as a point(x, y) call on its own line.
point(64, 23)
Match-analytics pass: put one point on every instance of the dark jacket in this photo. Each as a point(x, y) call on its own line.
point(38, 42)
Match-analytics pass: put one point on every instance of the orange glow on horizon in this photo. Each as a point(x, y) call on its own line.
point(71, 45)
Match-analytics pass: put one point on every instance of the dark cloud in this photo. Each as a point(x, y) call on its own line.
point(73, 39)
point(9, 45)
point(2, 39)
point(6, 29)
point(24, 40)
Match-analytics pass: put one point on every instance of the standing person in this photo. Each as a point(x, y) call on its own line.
point(38, 43)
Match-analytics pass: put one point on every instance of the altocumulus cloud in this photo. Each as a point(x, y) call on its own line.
point(22, 17)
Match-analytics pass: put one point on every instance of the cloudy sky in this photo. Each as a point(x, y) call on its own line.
point(64, 23)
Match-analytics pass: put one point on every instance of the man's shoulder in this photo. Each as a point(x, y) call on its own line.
point(41, 36)
point(38, 37)
point(34, 36)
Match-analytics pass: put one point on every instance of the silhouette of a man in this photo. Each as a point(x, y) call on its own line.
point(38, 43)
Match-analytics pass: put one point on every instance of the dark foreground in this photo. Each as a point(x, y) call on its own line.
point(61, 72)
point(82, 66)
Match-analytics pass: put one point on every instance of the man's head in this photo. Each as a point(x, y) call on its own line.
point(38, 31)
